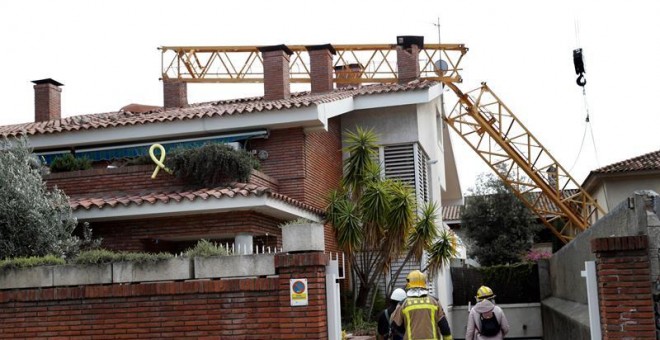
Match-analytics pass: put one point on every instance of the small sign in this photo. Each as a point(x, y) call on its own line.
point(298, 292)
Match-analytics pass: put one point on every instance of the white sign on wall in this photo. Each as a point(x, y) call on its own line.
point(298, 290)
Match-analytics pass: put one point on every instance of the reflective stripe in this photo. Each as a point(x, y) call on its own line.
point(412, 304)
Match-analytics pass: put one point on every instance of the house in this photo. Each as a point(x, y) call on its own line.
point(614, 183)
point(296, 136)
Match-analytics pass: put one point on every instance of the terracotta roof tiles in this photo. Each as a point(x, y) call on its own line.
point(200, 110)
point(112, 200)
point(649, 161)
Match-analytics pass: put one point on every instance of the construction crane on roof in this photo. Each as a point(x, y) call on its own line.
point(479, 116)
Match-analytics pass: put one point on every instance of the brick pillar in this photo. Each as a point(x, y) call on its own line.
point(302, 322)
point(321, 71)
point(407, 57)
point(276, 72)
point(175, 94)
point(624, 287)
point(47, 100)
point(347, 75)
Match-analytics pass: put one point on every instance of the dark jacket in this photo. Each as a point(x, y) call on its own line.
point(384, 323)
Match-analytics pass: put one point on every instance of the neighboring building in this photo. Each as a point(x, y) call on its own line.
point(297, 137)
point(613, 183)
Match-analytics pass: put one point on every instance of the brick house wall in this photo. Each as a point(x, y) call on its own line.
point(624, 287)
point(304, 165)
point(175, 233)
point(250, 308)
point(323, 171)
point(286, 161)
point(132, 178)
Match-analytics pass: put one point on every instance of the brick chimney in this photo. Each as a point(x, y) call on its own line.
point(348, 74)
point(407, 57)
point(175, 93)
point(321, 72)
point(47, 100)
point(276, 71)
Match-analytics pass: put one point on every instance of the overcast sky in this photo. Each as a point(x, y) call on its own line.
point(105, 54)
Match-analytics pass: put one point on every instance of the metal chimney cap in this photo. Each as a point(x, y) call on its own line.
point(47, 81)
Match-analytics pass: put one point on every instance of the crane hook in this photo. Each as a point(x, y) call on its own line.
point(581, 80)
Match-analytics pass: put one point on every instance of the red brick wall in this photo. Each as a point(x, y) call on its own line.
point(47, 102)
point(130, 178)
point(407, 62)
point(256, 308)
point(276, 75)
point(141, 235)
point(624, 287)
point(175, 94)
point(323, 171)
point(285, 160)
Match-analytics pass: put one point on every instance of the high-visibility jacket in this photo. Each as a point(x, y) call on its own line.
point(420, 317)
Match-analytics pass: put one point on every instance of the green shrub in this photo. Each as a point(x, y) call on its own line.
point(211, 165)
point(68, 162)
point(100, 256)
point(34, 221)
point(32, 261)
point(205, 248)
point(140, 160)
point(144, 257)
point(96, 256)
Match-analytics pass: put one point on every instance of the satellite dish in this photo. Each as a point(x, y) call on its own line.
point(441, 65)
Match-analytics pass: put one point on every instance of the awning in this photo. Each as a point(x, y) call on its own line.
point(135, 150)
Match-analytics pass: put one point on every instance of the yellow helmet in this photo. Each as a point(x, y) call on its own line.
point(484, 293)
point(416, 279)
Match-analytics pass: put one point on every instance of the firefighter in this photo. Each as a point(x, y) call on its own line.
point(486, 320)
point(420, 315)
point(385, 330)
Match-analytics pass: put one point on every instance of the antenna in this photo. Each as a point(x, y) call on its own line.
point(438, 26)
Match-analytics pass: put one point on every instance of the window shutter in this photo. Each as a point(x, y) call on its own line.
point(408, 163)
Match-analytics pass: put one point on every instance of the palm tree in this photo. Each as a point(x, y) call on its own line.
point(375, 218)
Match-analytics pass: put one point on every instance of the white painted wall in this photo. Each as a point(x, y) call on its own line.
point(394, 125)
point(613, 191)
point(407, 124)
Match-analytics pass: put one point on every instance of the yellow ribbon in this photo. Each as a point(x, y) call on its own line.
point(159, 162)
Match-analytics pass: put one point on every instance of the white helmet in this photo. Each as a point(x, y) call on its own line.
point(398, 295)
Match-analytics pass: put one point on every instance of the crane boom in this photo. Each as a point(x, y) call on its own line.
point(479, 117)
point(521, 161)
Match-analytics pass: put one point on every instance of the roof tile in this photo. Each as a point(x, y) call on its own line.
point(125, 199)
point(649, 161)
point(199, 110)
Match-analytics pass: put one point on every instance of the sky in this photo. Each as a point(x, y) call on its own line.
point(105, 53)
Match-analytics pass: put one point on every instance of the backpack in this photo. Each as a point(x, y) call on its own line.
point(489, 324)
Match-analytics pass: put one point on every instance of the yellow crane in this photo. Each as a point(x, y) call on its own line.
point(479, 117)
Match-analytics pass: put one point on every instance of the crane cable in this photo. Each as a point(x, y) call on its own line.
point(578, 62)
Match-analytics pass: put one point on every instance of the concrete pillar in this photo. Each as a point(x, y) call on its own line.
point(243, 244)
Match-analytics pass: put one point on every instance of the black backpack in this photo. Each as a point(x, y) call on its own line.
point(489, 324)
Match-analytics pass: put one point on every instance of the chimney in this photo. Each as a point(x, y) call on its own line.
point(276, 71)
point(407, 57)
point(175, 93)
point(47, 100)
point(348, 74)
point(321, 72)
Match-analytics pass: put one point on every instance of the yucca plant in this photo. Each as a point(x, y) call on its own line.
point(375, 219)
